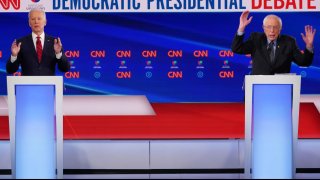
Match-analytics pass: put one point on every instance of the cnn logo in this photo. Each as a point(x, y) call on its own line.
point(5, 4)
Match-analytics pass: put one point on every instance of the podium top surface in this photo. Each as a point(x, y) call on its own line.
point(56, 80)
point(273, 79)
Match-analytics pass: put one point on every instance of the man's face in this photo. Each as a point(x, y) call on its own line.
point(37, 22)
point(272, 28)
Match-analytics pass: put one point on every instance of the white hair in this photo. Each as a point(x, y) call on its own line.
point(272, 16)
point(38, 9)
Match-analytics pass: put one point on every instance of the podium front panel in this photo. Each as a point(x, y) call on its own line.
point(35, 132)
point(272, 132)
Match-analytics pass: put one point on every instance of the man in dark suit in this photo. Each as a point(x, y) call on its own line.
point(271, 52)
point(38, 53)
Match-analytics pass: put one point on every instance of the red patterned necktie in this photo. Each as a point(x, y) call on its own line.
point(39, 49)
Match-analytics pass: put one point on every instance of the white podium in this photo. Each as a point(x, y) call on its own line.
point(36, 126)
point(271, 125)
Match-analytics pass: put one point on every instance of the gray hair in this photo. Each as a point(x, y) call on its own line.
point(38, 9)
point(272, 16)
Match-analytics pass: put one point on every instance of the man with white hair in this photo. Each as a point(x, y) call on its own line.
point(272, 52)
point(37, 53)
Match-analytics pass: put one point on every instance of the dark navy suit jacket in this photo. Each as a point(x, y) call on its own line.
point(287, 52)
point(28, 59)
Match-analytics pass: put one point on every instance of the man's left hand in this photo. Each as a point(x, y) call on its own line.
point(309, 36)
point(57, 46)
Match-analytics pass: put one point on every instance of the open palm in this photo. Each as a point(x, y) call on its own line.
point(244, 21)
point(309, 36)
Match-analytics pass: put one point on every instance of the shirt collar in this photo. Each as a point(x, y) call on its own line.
point(34, 36)
point(274, 42)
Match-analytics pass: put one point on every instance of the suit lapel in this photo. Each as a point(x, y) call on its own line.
point(33, 48)
point(279, 48)
point(264, 45)
point(45, 46)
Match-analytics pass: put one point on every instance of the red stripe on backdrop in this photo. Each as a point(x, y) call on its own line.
point(309, 121)
point(174, 121)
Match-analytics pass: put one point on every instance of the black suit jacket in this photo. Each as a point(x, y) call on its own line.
point(28, 59)
point(287, 52)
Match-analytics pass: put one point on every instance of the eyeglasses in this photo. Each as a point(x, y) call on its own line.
point(271, 27)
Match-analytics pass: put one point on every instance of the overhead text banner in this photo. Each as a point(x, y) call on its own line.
point(160, 5)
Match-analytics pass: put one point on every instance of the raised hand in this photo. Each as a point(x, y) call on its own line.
point(309, 36)
point(57, 46)
point(15, 48)
point(244, 21)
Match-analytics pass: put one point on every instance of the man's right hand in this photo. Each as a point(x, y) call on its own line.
point(15, 48)
point(244, 21)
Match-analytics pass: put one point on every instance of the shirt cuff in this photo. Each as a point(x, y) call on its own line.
point(59, 55)
point(310, 49)
point(240, 33)
point(13, 59)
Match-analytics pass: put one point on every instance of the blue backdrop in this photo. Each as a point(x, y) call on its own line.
point(92, 41)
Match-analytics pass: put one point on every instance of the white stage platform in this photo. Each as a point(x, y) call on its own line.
point(154, 159)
